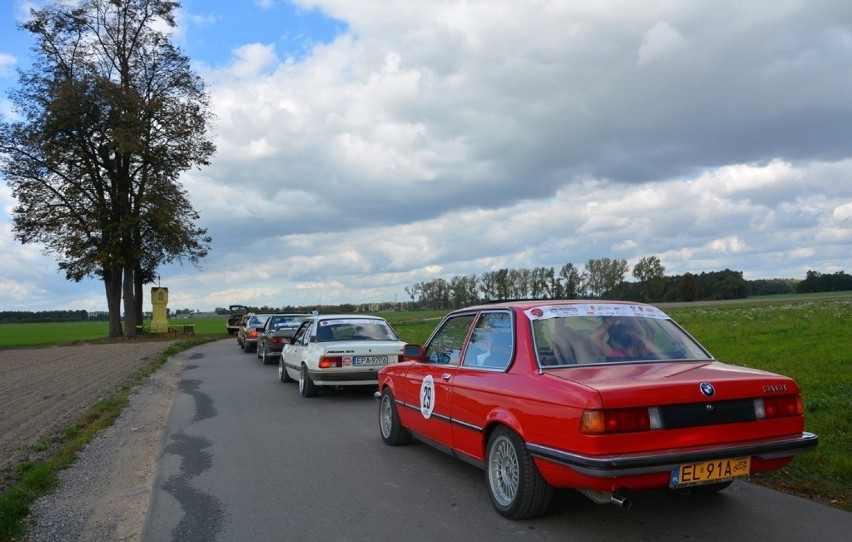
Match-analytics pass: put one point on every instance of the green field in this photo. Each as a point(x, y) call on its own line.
point(807, 338)
point(63, 333)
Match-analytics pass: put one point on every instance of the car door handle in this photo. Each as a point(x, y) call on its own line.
point(446, 376)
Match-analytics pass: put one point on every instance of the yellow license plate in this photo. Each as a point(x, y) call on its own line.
point(708, 472)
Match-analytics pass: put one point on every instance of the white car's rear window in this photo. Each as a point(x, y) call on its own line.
point(352, 329)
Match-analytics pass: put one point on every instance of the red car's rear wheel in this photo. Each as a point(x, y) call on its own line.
point(516, 487)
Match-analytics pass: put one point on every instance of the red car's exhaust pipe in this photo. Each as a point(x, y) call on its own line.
point(621, 501)
point(605, 497)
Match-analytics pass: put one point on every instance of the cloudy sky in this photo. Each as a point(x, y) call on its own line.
point(367, 145)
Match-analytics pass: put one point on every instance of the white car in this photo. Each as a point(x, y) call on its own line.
point(338, 350)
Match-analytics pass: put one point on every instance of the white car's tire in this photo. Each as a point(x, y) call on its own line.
point(307, 388)
point(286, 376)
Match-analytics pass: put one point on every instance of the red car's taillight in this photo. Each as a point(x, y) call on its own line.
point(779, 407)
point(619, 420)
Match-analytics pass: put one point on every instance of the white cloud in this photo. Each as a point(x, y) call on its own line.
point(843, 214)
point(7, 65)
point(660, 40)
point(252, 60)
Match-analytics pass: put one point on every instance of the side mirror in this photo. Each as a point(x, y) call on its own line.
point(412, 352)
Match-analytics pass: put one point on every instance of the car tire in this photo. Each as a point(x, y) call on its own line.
point(393, 432)
point(307, 388)
point(259, 351)
point(264, 357)
point(515, 485)
point(283, 375)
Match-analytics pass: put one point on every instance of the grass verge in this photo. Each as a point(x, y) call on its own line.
point(32, 480)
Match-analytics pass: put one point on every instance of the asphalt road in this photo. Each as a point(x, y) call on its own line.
point(245, 457)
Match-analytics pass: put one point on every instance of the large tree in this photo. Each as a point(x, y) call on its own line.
point(573, 281)
point(110, 115)
point(604, 275)
point(650, 272)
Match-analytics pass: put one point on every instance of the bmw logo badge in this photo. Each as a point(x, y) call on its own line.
point(707, 389)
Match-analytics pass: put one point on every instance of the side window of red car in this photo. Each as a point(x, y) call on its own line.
point(445, 346)
point(491, 343)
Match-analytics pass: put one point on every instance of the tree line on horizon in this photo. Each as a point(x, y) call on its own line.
point(604, 278)
point(600, 279)
point(438, 294)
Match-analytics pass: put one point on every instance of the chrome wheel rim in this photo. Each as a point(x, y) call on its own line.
point(280, 371)
point(503, 471)
point(302, 380)
point(386, 416)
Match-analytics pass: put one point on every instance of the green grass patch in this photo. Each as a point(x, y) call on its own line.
point(50, 334)
point(211, 325)
point(59, 333)
point(36, 479)
point(415, 326)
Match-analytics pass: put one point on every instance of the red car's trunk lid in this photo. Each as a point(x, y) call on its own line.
point(648, 384)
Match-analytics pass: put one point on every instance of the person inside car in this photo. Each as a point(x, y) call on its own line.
point(622, 340)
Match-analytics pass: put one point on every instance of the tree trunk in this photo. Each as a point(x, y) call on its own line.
point(138, 291)
point(129, 302)
point(112, 285)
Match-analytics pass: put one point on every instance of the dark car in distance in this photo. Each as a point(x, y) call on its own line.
point(277, 331)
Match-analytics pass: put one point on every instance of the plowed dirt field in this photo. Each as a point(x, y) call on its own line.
point(43, 390)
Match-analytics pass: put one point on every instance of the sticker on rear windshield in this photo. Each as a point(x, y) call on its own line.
point(594, 309)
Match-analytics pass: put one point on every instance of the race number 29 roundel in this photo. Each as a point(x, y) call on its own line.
point(427, 396)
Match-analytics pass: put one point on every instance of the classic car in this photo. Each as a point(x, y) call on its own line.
point(235, 318)
point(338, 350)
point(602, 397)
point(250, 329)
point(277, 331)
point(241, 328)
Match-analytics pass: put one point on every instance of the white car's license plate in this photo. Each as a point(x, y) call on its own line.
point(370, 360)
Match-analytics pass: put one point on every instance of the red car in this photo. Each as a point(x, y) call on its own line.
point(600, 397)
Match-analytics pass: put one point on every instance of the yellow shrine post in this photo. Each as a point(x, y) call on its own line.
point(160, 317)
